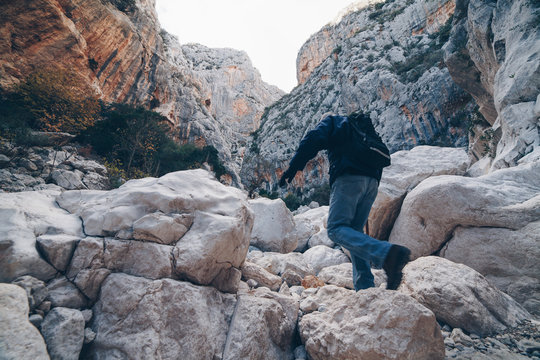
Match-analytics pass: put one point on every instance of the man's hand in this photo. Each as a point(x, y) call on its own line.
point(287, 177)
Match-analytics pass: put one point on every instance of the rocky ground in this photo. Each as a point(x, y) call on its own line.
point(24, 168)
point(184, 263)
point(520, 342)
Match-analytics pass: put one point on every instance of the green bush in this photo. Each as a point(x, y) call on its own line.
point(124, 5)
point(15, 120)
point(292, 201)
point(270, 195)
point(50, 99)
point(321, 195)
point(413, 67)
point(137, 141)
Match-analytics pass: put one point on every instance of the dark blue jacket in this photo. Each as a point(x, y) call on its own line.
point(332, 134)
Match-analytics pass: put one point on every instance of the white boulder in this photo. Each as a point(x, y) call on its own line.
point(311, 228)
point(140, 318)
point(460, 296)
point(193, 227)
point(260, 275)
point(25, 216)
point(273, 229)
point(69, 180)
point(369, 324)
point(408, 169)
point(62, 293)
point(57, 249)
point(341, 275)
point(291, 267)
point(508, 198)
point(262, 327)
point(507, 258)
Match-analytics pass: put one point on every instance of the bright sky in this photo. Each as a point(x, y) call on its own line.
point(270, 31)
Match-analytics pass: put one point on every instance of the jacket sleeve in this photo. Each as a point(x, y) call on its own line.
point(314, 141)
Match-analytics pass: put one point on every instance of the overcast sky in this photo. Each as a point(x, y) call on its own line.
point(270, 31)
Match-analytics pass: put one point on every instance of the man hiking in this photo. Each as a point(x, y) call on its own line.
point(355, 173)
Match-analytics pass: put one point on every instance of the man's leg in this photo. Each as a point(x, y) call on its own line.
point(362, 276)
point(363, 279)
point(344, 219)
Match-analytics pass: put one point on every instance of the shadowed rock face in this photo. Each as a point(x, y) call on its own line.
point(214, 96)
point(384, 59)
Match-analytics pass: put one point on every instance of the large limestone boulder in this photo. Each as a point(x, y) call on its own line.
point(262, 327)
point(507, 258)
point(369, 324)
point(183, 225)
point(408, 169)
point(144, 318)
point(19, 339)
point(311, 228)
point(273, 229)
point(24, 217)
point(95, 258)
point(460, 296)
point(507, 199)
point(63, 330)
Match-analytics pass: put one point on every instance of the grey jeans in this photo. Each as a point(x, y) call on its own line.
point(350, 202)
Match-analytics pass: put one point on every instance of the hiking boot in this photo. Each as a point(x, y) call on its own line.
point(398, 256)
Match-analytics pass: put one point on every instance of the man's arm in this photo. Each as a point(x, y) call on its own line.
point(313, 142)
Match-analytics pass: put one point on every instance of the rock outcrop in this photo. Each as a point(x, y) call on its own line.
point(190, 227)
point(25, 168)
point(340, 329)
point(493, 53)
point(143, 319)
point(273, 229)
point(503, 203)
point(477, 306)
point(161, 268)
point(408, 169)
point(385, 59)
point(213, 96)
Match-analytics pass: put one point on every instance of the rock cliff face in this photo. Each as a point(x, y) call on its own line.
point(494, 54)
point(385, 59)
point(213, 96)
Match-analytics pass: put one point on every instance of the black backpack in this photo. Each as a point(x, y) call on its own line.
point(368, 147)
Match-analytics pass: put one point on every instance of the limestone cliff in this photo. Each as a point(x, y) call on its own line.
point(118, 47)
point(385, 59)
point(494, 54)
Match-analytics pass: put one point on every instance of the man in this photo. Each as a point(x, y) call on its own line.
point(354, 182)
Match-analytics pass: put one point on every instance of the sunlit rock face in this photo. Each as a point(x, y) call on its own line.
point(386, 59)
point(213, 96)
